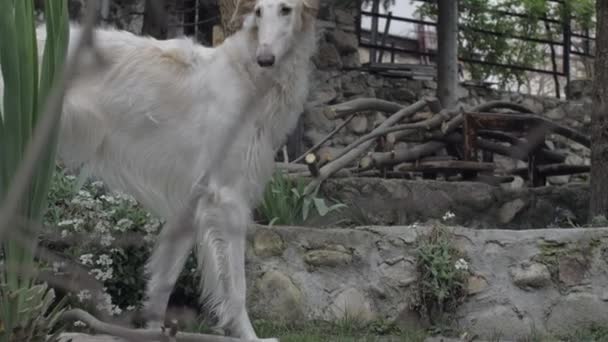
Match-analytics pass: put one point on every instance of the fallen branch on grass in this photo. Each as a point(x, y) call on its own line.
point(142, 335)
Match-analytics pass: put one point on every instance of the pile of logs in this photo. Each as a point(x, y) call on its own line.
point(460, 134)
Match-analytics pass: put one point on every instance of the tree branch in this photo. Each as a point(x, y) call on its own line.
point(361, 105)
point(141, 334)
point(354, 151)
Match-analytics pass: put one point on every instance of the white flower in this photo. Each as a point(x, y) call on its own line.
point(130, 307)
point(106, 240)
point(104, 260)
point(448, 215)
point(123, 224)
point(102, 275)
point(105, 303)
point(79, 324)
point(86, 259)
point(57, 265)
point(108, 199)
point(64, 233)
point(83, 295)
point(461, 264)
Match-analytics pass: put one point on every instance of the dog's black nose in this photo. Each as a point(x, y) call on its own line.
point(266, 60)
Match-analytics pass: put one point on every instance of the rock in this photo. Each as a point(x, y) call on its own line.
point(346, 43)
point(354, 86)
point(430, 85)
point(503, 319)
point(375, 81)
point(517, 183)
point(327, 57)
point(509, 210)
point(267, 243)
point(379, 118)
point(315, 119)
point(557, 113)
point(462, 92)
point(558, 180)
point(351, 304)
point(358, 125)
point(579, 309)
point(572, 269)
point(534, 104)
point(327, 257)
point(345, 17)
point(351, 60)
point(577, 89)
point(530, 275)
point(403, 95)
point(573, 159)
point(279, 297)
point(476, 284)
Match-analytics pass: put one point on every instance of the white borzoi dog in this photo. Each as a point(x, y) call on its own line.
point(149, 124)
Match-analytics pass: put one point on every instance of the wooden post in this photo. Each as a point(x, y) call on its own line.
point(156, 19)
point(599, 118)
point(447, 53)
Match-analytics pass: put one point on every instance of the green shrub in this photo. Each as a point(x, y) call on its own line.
point(284, 202)
point(27, 81)
point(443, 271)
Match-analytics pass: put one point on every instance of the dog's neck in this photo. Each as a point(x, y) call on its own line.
point(277, 85)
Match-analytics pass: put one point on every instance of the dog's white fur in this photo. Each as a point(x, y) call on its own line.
point(149, 124)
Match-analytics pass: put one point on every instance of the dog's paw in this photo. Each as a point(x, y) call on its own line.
point(272, 339)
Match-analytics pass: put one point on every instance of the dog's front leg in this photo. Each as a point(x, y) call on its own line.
point(222, 225)
point(165, 265)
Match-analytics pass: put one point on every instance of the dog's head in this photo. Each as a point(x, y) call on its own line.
point(275, 25)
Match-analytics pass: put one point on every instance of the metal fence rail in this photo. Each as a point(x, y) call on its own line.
point(379, 41)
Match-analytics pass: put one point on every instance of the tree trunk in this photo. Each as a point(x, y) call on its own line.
point(447, 51)
point(599, 118)
point(156, 22)
point(227, 8)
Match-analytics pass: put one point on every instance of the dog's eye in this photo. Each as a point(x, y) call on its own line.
point(285, 10)
point(258, 12)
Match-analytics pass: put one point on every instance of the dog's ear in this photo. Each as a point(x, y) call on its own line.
point(243, 8)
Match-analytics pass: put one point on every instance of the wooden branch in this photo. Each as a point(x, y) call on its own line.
point(381, 159)
point(552, 170)
point(313, 166)
point(361, 105)
point(290, 167)
point(324, 140)
point(457, 120)
point(431, 123)
point(544, 153)
point(141, 334)
point(507, 151)
point(354, 152)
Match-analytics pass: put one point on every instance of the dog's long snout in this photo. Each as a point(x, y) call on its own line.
point(265, 57)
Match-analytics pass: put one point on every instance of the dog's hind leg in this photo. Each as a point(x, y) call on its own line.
point(221, 257)
point(164, 267)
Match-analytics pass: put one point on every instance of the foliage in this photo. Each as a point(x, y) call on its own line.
point(442, 271)
point(27, 82)
point(98, 219)
point(285, 203)
point(489, 16)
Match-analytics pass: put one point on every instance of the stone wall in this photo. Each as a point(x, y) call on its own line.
point(520, 283)
point(377, 201)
